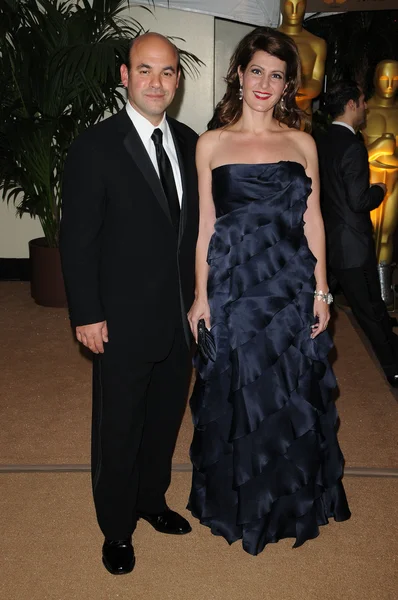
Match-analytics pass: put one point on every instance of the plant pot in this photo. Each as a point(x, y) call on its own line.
point(46, 281)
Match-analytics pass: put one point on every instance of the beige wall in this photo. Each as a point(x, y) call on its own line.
point(227, 35)
point(194, 105)
point(195, 102)
point(15, 233)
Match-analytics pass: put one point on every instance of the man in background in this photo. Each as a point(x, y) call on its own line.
point(128, 238)
point(346, 202)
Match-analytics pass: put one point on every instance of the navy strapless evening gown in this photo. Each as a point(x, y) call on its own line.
point(266, 461)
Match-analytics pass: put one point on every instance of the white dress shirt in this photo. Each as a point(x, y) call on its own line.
point(145, 130)
point(344, 125)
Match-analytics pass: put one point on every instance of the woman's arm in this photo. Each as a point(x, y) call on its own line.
point(207, 218)
point(315, 233)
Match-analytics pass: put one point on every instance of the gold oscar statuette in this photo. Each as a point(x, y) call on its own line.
point(381, 137)
point(312, 50)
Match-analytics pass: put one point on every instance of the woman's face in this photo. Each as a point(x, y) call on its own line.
point(263, 81)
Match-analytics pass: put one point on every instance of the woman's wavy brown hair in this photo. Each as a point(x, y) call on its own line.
point(229, 110)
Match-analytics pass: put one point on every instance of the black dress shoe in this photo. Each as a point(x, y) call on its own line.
point(118, 556)
point(392, 380)
point(167, 521)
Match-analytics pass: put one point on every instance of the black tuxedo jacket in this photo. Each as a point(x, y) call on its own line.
point(346, 198)
point(121, 258)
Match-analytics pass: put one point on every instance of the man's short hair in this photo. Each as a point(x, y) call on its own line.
point(338, 95)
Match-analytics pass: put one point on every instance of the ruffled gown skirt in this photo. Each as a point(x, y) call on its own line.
point(266, 460)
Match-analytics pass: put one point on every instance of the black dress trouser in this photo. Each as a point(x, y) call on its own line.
point(137, 411)
point(361, 287)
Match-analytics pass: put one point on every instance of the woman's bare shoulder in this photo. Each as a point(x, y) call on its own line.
point(211, 136)
point(209, 141)
point(301, 137)
point(302, 140)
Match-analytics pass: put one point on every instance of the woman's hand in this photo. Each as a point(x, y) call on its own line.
point(322, 314)
point(199, 310)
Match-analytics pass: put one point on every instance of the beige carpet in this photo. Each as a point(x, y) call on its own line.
point(45, 391)
point(51, 550)
point(45, 383)
point(50, 541)
point(367, 408)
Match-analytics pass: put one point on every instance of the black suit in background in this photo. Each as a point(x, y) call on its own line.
point(123, 262)
point(346, 202)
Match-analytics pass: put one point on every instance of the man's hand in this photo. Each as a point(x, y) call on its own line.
point(382, 185)
point(93, 336)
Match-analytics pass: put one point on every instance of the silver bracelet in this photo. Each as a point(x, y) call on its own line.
point(324, 296)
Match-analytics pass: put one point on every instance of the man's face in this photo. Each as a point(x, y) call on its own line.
point(293, 11)
point(360, 112)
point(153, 77)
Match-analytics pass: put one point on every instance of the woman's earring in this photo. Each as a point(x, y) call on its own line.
point(282, 103)
point(240, 95)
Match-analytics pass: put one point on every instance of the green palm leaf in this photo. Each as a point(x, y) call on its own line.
point(59, 74)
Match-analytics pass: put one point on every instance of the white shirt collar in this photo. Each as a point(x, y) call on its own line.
point(144, 127)
point(145, 130)
point(344, 125)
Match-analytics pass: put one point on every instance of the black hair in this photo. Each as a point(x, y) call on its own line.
point(339, 93)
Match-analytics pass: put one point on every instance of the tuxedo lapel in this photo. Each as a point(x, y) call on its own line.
point(179, 143)
point(138, 153)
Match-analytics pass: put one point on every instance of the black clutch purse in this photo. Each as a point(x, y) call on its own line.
point(206, 343)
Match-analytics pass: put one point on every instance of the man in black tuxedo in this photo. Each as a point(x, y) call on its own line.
point(128, 237)
point(346, 202)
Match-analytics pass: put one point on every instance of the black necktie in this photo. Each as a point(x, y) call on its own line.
point(167, 177)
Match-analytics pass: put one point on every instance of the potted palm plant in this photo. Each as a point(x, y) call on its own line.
point(59, 74)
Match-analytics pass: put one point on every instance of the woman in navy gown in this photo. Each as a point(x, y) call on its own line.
point(266, 461)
